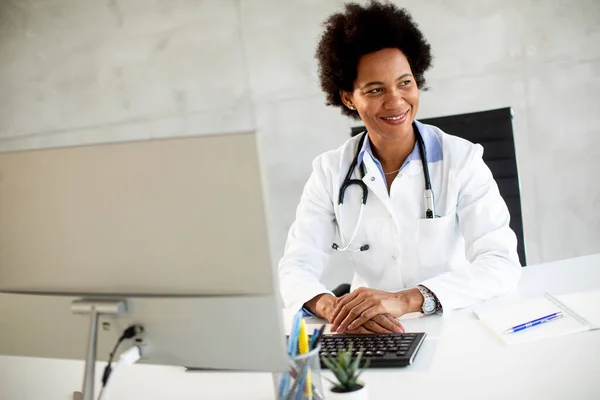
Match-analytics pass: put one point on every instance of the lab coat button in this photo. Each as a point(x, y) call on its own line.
point(372, 178)
point(394, 258)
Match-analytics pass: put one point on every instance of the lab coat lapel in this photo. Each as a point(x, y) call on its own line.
point(375, 182)
point(415, 167)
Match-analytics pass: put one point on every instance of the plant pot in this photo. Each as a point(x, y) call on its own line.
point(360, 394)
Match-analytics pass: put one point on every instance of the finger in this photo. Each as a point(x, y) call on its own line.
point(345, 299)
point(389, 322)
point(354, 311)
point(376, 327)
point(346, 310)
point(361, 330)
point(329, 311)
point(395, 321)
point(375, 309)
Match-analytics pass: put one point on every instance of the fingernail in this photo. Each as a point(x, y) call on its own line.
point(350, 327)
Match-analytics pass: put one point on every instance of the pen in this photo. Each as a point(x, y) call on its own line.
point(317, 395)
point(313, 337)
point(315, 342)
point(298, 382)
point(542, 320)
point(304, 348)
point(292, 349)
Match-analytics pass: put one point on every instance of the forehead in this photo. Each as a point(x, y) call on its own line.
point(382, 65)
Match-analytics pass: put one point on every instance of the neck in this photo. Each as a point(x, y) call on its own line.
point(393, 153)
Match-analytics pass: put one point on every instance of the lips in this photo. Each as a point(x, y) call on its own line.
point(396, 119)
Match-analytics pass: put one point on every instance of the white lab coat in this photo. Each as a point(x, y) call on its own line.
point(467, 255)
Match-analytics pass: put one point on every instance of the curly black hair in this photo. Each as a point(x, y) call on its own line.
point(360, 30)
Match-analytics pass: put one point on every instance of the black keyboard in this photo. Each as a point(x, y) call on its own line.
point(383, 350)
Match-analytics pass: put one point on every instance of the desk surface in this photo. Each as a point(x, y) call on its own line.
point(460, 359)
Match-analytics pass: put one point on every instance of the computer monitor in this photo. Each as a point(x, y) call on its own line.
point(175, 228)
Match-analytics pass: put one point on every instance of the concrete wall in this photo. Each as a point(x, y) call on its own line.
point(88, 71)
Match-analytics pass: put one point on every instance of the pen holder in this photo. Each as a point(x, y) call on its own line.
point(293, 384)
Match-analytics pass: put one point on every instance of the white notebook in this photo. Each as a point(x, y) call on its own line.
point(581, 312)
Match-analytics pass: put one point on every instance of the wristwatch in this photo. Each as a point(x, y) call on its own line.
point(430, 303)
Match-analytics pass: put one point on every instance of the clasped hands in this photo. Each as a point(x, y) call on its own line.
point(368, 310)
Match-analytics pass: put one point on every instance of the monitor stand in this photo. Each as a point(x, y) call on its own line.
point(94, 308)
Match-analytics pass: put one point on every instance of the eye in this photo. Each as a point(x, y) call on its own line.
point(375, 91)
point(405, 83)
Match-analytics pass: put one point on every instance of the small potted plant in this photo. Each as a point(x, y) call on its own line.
point(347, 370)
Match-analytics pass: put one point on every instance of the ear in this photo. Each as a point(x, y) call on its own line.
point(347, 99)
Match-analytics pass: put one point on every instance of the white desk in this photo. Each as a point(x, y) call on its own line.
point(460, 359)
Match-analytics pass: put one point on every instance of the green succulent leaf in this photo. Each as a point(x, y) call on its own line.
point(345, 368)
point(329, 363)
point(356, 361)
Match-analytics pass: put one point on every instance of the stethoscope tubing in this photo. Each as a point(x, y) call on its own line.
point(428, 195)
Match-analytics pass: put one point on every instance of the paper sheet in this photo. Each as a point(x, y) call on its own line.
point(502, 318)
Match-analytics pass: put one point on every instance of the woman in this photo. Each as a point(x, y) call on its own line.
point(372, 62)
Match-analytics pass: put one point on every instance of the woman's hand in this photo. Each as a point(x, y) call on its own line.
point(383, 323)
point(356, 308)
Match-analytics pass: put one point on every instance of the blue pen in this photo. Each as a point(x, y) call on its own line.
point(313, 338)
point(292, 349)
point(300, 388)
point(535, 322)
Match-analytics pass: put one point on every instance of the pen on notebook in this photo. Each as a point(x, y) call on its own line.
point(535, 322)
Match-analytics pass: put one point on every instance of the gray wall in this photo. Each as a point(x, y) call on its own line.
point(76, 72)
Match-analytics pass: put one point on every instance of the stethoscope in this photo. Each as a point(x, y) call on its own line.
point(348, 181)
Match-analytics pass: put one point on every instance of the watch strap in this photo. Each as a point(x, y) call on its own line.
point(426, 293)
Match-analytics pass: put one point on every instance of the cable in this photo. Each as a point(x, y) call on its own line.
point(128, 333)
point(127, 358)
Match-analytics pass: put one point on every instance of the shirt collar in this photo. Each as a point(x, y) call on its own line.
point(432, 147)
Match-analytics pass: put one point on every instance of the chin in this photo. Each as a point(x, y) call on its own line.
point(395, 132)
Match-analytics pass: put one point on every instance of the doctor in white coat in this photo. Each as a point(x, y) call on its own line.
point(372, 60)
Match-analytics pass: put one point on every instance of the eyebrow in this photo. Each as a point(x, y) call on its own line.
point(381, 83)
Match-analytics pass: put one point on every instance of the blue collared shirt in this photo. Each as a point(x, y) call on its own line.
point(432, 147)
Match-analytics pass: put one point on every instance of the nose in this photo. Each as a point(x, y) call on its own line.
point(394, 99)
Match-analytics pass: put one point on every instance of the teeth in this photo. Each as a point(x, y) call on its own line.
point(395, 118)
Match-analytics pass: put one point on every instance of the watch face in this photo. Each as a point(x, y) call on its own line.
point(429, 305)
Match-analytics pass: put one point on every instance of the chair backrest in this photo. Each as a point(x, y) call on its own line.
point(493, 130)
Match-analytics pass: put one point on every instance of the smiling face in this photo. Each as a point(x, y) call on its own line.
point(385, 95)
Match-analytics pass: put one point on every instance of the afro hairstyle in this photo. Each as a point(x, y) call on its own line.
point(360, 30)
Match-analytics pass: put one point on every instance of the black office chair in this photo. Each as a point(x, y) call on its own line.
point(493, 130)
